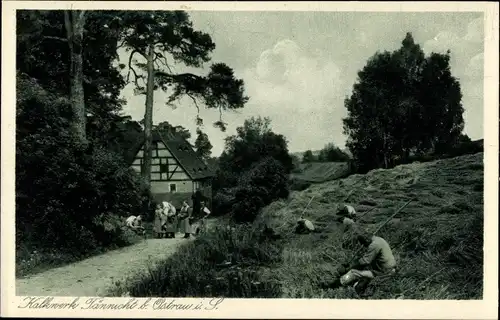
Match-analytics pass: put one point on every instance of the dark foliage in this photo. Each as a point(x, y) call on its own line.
point(402, 104)
point(265, 182)
point(67, 193)
point(253, 142)
point(252, 171)
point(225, 262)
point(331, 153)
point(308, 157)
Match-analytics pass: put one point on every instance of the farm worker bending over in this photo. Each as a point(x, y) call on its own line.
point(377, 260)
point(184, 216)
point(304, 226)
point(170, 226)
point(347, 214)
point(135, 223)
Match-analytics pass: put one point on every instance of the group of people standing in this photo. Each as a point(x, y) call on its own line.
point(168, 221)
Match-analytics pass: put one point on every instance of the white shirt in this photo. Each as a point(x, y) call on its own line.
point(169, 209)
point(131, 221)
point(350, 211)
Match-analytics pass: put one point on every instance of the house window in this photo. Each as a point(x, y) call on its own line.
point(173, 187)
point(164, 168)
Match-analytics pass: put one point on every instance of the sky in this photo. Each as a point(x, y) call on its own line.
point(298, 67)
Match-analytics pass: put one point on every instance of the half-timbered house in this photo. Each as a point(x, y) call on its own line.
point(176, 169)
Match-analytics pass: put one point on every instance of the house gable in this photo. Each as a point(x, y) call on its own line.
point(169, 155)
point(164, 166)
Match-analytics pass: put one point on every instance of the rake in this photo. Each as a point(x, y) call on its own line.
point(307, 206)
point(380, 227)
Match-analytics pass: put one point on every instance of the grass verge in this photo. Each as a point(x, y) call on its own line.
point(225, 261)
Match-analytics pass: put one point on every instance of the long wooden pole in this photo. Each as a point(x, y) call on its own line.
point(303, 211)
point(395, 213)
point(380, 227)
point(366, 212)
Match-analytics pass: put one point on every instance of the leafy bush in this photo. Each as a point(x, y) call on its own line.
point(308, 157)
point(253, 170)
point(331, 153)
point(253, 142)
point(223, 201)
point(70, 197)
point(297, 168)
point(265, 182)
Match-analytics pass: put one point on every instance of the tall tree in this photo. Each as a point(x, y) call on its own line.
point(74, 21)
point(43, 53)
point(203, 145)
point(441, 99)
point(331, 153)
point(402, 102)
point(171, 131)
point(162, 38)
point(252, 142)
point(308, 156)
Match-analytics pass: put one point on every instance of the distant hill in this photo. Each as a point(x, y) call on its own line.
point(315, 153)
point(300, 154)
point(316, 172)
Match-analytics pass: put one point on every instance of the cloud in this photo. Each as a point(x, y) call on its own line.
point(467, 64)
point(300, 91)
point(463, 48)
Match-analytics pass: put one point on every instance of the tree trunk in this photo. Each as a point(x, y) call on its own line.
point(148, 118)
point(74, 21)
point(386, 164)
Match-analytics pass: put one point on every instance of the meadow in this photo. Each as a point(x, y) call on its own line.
point(317, 172)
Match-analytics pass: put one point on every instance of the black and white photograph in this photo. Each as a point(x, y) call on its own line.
point(243, 154)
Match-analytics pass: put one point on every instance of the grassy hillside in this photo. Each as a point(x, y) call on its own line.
point(315, 172)
point(437, 239)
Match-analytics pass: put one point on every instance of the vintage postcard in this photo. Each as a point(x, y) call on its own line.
point(250, 159)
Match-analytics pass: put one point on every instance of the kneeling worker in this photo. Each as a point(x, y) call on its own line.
point(304, 226)
point(378, 260)
point(135, 223)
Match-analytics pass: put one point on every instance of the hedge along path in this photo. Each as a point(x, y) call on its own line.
point(93, 276)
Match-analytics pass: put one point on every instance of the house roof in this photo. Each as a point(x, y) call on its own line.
point(182, 151)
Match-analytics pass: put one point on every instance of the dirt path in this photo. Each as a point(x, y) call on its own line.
point(91, 277)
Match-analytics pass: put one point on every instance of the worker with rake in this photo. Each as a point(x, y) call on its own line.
point(377, 261)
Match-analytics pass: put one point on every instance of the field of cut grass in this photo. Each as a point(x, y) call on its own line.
point(316, 172)
point(437, 239)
